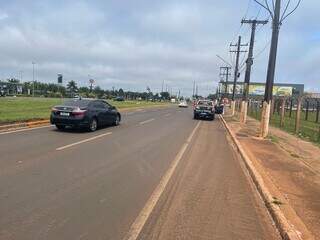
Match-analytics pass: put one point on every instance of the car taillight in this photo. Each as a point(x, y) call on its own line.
point(78, 112)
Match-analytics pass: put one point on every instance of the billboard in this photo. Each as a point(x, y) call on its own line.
point(258, 90)
point(60, 76)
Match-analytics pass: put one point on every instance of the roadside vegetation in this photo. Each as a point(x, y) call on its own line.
point(15, 109)
point(309, 129)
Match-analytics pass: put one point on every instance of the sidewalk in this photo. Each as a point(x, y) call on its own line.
point(210, 195)
point(291, 169)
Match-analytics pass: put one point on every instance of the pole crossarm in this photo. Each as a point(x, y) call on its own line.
point(241, 51)
point(254, 21)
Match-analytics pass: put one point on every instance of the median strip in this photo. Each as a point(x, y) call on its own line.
point(83, 141)
point(147, 121)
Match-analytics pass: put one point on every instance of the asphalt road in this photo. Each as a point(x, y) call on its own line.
point(79, 185)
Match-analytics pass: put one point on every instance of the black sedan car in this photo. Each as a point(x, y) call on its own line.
point(84, 113)
point(204, 109)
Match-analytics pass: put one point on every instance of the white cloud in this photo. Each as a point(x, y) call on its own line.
point(134, 45)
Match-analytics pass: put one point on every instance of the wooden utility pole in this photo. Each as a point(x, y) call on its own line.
point(224, 74)
point(271, 71)
point(236, 70)
point(282, 114)
point(249, 63)
point(298, 115)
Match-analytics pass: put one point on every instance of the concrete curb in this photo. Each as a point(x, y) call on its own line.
point(286, 230)
point(21, 125)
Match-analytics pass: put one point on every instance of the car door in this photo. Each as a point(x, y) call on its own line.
point(111, 113)
point(100, 112)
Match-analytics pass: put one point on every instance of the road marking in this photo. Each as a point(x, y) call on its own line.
point(130, 113)
point(83, 141)
point(143, 216)
point(147, 121)
point(167, 115)
point(24, 129)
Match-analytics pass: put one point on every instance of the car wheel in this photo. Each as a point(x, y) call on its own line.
point(117, 120)
point(93, 125)
point(60, 127)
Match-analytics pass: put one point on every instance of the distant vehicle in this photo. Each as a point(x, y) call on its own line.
point(183, 104)
point(204, 109)
point(84, 113)
point(173, 100)
point(219, 109)
point(119, 99)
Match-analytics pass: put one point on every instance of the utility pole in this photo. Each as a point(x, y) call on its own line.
point(162, 85)
point(224, 74)
point(249, 63)
point(236, 70)
point(271, 71)
point(33, 63)
point(194, 87)
point(197, 90)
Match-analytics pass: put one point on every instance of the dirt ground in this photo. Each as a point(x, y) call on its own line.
point(290, 165)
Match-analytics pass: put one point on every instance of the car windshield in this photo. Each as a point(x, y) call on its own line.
point(207, 103)
point(77, 103)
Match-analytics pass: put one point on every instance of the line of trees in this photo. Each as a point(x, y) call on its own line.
point(15, 87)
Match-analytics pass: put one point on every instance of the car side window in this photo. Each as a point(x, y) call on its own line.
point(105, 105)
point(97, 105)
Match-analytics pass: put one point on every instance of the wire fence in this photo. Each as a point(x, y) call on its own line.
point(300, 116)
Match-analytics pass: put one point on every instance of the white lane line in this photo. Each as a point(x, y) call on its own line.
point(143, 216)
point(167, 115)
point(130, 113)
point(83, 141)
point(147, 121)
point(24, 129)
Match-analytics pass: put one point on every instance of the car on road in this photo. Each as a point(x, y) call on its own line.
point(204, 109)
point(119, 99)
point(183, 104)
point(84, 113)
point(219, 109)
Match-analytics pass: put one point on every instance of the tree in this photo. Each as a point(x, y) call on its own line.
point(98, 92)
point(121, 92)
point(72, 87)
point(165, 95)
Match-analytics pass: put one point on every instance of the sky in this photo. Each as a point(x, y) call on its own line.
point(132, 44)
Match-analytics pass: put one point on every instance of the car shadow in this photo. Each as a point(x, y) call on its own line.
point(79, 130)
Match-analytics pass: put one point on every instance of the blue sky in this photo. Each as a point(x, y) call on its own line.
point(134, 44)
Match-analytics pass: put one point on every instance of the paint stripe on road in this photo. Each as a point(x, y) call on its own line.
point(143, 216)
point(24, 129)
point(83, 141)
point(167, 115)
point(147, 121)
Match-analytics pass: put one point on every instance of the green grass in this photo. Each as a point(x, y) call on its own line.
point(309, 129)
point(24, 108)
